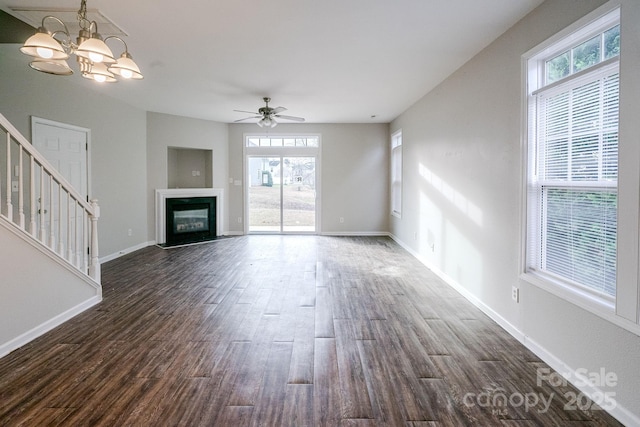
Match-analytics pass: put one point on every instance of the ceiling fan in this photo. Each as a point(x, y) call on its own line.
point(268, 115)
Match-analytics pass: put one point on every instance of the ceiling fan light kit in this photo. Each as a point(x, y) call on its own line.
point(267, 122)
point(95, 59)
point(268, 115)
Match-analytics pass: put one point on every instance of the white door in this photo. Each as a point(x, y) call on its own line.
point(66, 148)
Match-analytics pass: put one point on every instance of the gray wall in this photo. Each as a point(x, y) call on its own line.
point(118, 140)
point(462, 193)
point(354, 174)
point(189, 168)
point(35, 297)
point(165, 131)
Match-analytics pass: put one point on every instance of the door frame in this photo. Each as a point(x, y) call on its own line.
point(248, 152)
point(39, 120)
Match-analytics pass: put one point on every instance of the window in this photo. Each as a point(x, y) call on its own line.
point(396, 174)
point(266, 141)
point(573, 161)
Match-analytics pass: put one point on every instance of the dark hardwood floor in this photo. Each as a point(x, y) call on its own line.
point(280, 330)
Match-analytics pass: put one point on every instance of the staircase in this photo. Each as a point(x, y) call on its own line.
point(49, 267)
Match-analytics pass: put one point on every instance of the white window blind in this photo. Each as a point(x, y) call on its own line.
point(573, 187)
point(396, 174)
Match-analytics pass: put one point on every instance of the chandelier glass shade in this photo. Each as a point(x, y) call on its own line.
point(268, 122)
point(51, 49)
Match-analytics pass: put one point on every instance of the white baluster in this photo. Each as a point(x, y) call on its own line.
point(94, 267)
point(52, 231)
point(69, 229)
point(78, 235)
point(1, 186)
point(41, 210)
point(20, 191)
point(9, 206)
point(85, 241)
point(32, 195)
point(61, 250)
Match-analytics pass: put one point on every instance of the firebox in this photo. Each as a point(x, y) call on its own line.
point(190, 220)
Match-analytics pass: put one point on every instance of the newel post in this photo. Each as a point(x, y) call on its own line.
point(94, 265)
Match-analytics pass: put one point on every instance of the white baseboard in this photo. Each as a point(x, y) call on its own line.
point(496, 317)
point(118, 254)
point(580, 382)
point(354, 233)
point(621, 413)
point(45, 327)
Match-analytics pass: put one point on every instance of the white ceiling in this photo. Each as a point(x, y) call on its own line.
point(331, 61)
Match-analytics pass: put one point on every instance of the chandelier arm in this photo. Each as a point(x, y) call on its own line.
point(65, 31)
point(66, 42)
point(126, 48)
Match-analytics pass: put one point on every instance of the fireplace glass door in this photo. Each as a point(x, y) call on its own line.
point(190, 220)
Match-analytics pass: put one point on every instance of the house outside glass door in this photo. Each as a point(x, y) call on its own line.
point(281, 188)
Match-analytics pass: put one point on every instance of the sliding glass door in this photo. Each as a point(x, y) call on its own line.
point(299, 195)
point(281, 189)
point(265, 197)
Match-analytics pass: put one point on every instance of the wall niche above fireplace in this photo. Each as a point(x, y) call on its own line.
point(189, 168)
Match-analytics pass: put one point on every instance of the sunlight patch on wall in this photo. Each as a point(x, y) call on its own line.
point(457, 199)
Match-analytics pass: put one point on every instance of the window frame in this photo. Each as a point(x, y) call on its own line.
point(533, 75)
point(284, 151)
point(395, 174)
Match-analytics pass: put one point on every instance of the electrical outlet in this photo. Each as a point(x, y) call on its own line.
point(129, 232)
point(341, 220)
point(239, 220)
point(515, 294)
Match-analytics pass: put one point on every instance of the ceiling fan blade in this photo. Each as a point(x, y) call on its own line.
point(278, 110)
point(295, 119)
point(249, 112)
point(247, 118)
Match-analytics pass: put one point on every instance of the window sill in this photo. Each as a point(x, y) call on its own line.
point(591, 303)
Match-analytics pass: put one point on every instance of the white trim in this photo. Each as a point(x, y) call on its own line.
point(38, 120)
point(392, 147)
point(163, 194)
point(126, 251)
point(45, 327)
point(495, 316)
point(574, 34)
point(356, 233)
point(281, 151)
point(621, 413)
point(596, 21)
point(592, 305)
point(12, 227)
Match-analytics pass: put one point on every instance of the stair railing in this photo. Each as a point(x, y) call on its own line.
point(38, 200)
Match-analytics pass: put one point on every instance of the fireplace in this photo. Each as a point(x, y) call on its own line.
point(188, 215)
point(190, 220)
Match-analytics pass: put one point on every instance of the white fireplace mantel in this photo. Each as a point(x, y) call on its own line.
point(163, 194)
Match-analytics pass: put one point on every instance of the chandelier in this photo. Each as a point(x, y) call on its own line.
point(95, 60)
